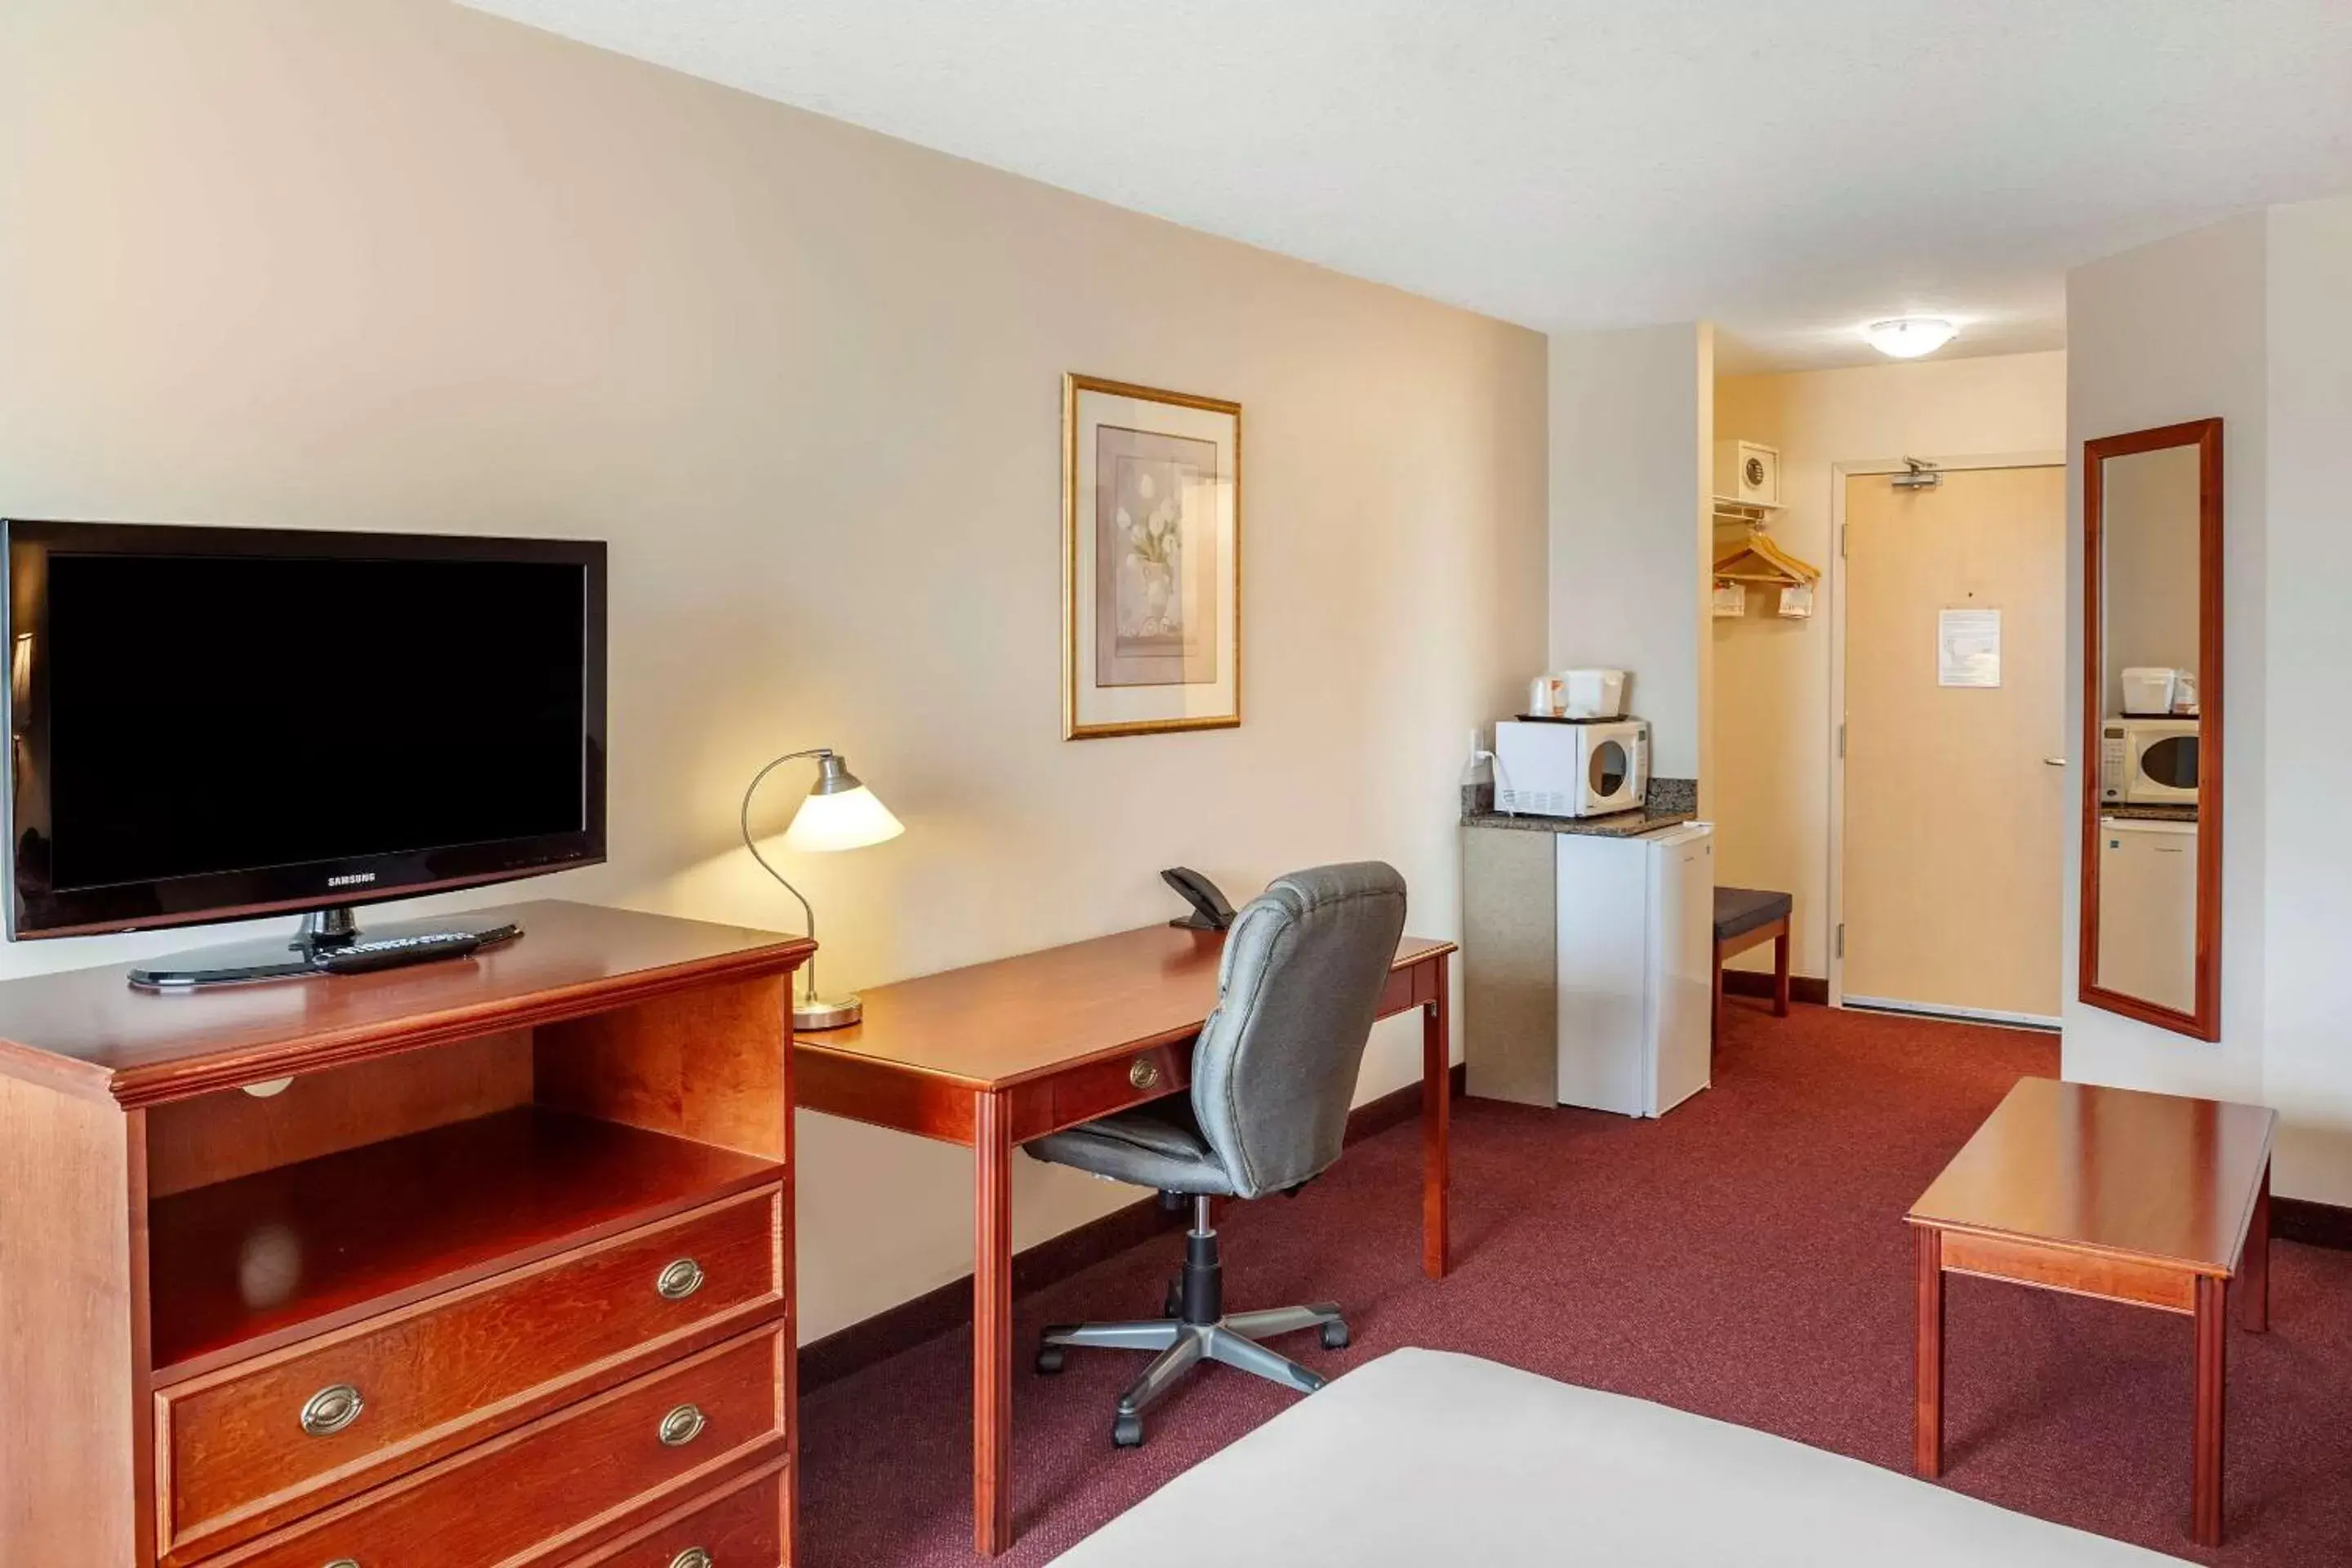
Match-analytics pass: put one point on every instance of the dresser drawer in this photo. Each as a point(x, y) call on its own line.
point(253, 1446)
point(530, 1497)
point(743, 1529)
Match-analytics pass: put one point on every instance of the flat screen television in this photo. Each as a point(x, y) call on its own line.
point(212, 723)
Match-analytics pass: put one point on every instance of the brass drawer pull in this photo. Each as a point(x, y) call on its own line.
point(679, 1280)
point(692, 1557)
point(1143, 1073)
point(331, 1410)
point(681, 1426)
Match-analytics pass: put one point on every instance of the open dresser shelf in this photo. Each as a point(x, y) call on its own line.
point(241, 1265)
point(485, 1261)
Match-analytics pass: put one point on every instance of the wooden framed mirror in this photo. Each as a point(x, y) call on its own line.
point(2151, 904)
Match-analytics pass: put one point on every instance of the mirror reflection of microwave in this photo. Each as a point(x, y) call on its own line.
point(1566, 767)
point(2148, 762)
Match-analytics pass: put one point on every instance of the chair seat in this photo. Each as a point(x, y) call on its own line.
point(1739, 911)
point(1158, 1145)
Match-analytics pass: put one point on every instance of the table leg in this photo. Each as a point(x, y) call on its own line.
point(992, 1325)
point(2205, 1446)
point(1780, 972)
point(1928, 1404)
point(1436, 1116)
point(2254, 1264)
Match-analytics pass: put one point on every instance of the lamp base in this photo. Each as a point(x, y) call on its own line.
point(826, 1012)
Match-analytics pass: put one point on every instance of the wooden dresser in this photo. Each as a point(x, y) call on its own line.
point(501, 1279)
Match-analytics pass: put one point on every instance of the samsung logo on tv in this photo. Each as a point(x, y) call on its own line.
point(350, 879)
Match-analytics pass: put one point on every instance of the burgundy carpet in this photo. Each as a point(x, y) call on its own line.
point(1745, 1257)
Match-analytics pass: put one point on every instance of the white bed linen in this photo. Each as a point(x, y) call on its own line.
point(1425, 1458)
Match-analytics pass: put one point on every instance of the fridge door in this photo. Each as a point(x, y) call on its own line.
point(1602, 899)
point(2148, 910)
point(1682, 943)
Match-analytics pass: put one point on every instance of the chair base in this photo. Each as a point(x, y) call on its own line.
point(1231, 1341)
point(1196, 1329)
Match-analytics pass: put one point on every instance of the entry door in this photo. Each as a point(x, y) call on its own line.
point(1954, 794)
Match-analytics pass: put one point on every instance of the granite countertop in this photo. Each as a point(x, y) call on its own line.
point(1666, 802)
point(2150, 813)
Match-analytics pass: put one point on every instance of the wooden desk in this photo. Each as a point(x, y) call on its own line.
point(2149, 1199)
point(993, 1055)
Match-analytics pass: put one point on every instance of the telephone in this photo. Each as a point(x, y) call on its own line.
point(1210, 911)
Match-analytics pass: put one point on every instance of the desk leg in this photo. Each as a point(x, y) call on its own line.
point(2255, 1265)
point(1928, 1403)
point(1436, 1116)
point(2205, 1446)
point(992, 1325)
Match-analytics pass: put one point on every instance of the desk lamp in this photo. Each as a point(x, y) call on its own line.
point(840, 812)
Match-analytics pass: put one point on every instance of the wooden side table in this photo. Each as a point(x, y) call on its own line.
point(2154, 1200)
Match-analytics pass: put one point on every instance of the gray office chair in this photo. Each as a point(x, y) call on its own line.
point(1273, 1075)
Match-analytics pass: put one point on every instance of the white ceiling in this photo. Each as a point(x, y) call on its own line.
point(1788, 169)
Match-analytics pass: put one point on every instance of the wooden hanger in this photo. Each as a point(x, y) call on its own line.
point(1758, 560)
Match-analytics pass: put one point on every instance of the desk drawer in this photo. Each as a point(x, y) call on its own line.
point(1098, 1089)
point(524, 1498)
point(744, 1529)
point(253, 1446)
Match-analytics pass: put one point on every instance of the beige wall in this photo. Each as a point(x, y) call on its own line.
point(391, 265)
point(2248, 319)
point(1631, 447)
point(1772, 722)
point(2165, 332)
point(2306, 1014)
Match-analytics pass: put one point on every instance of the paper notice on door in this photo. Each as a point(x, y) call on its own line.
point(1968, 647)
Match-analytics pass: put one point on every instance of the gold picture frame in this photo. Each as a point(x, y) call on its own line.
point(1151, 577)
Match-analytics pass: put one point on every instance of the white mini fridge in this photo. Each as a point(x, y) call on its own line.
point(1635, 941)
point(2148, 909)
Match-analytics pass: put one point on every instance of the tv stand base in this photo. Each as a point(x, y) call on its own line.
point(329, 942)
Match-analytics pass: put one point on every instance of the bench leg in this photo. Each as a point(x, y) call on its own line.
point(1714, 1023)
point(1780, 972)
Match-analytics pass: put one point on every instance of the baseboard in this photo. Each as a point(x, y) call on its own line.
point(2311, 1224)
point(935, 1312)
point(1802, 987)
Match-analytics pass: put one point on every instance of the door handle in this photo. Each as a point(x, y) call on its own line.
point(2053, 762)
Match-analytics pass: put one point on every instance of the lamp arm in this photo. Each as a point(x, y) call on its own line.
point(808, 971)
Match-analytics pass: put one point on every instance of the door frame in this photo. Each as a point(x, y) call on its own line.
point(2052, 457)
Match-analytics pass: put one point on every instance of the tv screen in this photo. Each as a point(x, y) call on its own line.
point(218, 721)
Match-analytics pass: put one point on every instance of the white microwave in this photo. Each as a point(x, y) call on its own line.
point(2148, 762)
point(1567, 767)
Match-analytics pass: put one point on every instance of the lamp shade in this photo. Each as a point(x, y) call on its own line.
point(841, 819)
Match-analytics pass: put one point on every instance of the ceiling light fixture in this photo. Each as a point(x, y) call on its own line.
point(1908, 337)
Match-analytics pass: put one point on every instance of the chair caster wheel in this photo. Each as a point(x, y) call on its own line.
point(1335, 1336)
point(1049, 1360)
point(1128, 1431)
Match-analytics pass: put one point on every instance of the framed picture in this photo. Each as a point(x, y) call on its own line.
point(1151, 571)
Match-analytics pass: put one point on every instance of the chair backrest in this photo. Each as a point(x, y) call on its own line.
point(1301, 979)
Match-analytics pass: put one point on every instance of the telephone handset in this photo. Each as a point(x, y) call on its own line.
point(1210, 911)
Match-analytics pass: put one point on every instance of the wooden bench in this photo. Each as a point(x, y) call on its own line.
point(1745, 918)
